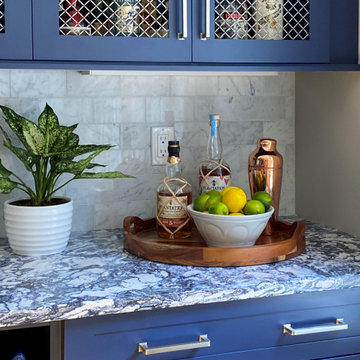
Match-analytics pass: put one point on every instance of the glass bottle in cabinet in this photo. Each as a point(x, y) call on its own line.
point(173, 195)
point(214, 173)
point(269, 15)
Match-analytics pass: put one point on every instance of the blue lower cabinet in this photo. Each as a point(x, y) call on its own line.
point(320, 325)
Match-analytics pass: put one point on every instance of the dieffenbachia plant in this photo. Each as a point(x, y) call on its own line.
point(48, 152)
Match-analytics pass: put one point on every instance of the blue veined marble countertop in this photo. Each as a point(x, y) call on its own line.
point(95, 276)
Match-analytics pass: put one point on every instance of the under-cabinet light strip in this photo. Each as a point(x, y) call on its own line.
point(177, 73)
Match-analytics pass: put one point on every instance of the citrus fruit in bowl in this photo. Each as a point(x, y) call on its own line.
point(230, 231)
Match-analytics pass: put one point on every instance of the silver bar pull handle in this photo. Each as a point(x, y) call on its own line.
point(203, 341)
point(184, 34)
point(206, 34)
point(339, 325)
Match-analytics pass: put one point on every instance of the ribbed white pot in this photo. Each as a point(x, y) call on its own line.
point(38, 230)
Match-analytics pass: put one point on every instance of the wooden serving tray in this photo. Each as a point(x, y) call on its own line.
point(284, 241)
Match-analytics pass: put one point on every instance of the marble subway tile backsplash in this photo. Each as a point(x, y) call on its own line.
point(120, 110)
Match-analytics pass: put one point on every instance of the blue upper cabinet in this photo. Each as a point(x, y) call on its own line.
point(183, 31)
point(112, 30)
point(178, 33)
point(15, 30)
point(258, 31)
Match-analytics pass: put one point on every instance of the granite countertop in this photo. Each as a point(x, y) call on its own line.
point(95, 276)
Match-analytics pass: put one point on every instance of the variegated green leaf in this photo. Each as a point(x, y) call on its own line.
point(48, 124)
point(35, 139)
point(3, 171)
point(82, 149)
point(104, 175)
point(7, 186)
point(93, 165)
point(15, 122)
point(77, 167)
point(20, 153)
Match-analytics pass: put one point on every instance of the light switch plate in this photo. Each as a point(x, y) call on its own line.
point(160, 135)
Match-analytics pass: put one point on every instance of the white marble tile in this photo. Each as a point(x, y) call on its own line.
point(99, 134)
point(241, 108)
point(38, 83)
point(4, 83)
point(167, 110)
point(94, 86)
point(194, 85)
point(144, 86)
point(120, 109)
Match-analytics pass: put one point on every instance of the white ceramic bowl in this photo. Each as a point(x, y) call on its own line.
point(230, 231)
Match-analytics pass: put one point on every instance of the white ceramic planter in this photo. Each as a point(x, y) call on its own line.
point(38, 230)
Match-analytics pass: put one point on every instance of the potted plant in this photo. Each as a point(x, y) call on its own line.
point(40, 224)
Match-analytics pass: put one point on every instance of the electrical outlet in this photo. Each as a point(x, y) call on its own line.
point(160, 137)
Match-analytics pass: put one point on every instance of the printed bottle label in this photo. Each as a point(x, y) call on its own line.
point(213, 183)
point(172, 212)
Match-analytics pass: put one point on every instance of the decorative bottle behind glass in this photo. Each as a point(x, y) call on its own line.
point(173, 196)
point(269, 19)
point(232, 20)
point(214, 173)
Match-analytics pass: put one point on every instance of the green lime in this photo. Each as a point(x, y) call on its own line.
point(211, 201)
point(253, 207)
point(214, 193)
point(219, 209)
point(200, 202)
point(264, 197)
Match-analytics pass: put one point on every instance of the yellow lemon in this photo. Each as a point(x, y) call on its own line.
point(225, 190)
point(237, 214)
point(234, 199)
point(219, 209)
point(254, 207)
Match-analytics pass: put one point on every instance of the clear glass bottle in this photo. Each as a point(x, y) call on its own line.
point(173, 195)
point(215, 173)
point(269, 19)
point(127, 17)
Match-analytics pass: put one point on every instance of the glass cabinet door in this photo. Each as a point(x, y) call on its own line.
point(15, 30)
point(112, 30)
point(261, 31)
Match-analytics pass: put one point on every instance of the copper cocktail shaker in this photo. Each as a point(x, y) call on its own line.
point(265, 171)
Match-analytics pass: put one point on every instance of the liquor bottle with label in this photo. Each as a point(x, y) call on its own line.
point(232, 20)
point(127, 18)
point(214, 173)
point(269, 19)
point(173, 196)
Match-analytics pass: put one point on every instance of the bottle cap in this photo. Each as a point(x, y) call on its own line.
point(174, 148)
point(216, 118)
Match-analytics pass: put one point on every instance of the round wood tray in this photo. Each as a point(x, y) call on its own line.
point(282, 241)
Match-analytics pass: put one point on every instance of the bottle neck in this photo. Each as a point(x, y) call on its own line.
point(173, 168)
point(214, 148)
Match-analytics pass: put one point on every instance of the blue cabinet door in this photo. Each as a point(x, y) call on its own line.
point(15, 30)
point(303, 34)
point(94, 30)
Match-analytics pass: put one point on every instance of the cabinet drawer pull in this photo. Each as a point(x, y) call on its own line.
point(339, 325)
point(202, 342)
point(184, 34)
point(206, 34)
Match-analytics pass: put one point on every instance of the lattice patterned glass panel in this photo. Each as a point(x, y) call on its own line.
point(2, 16)
point(262, 19)
point(139, 18)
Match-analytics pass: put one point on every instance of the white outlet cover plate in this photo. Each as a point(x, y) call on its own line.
point(156, 131)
